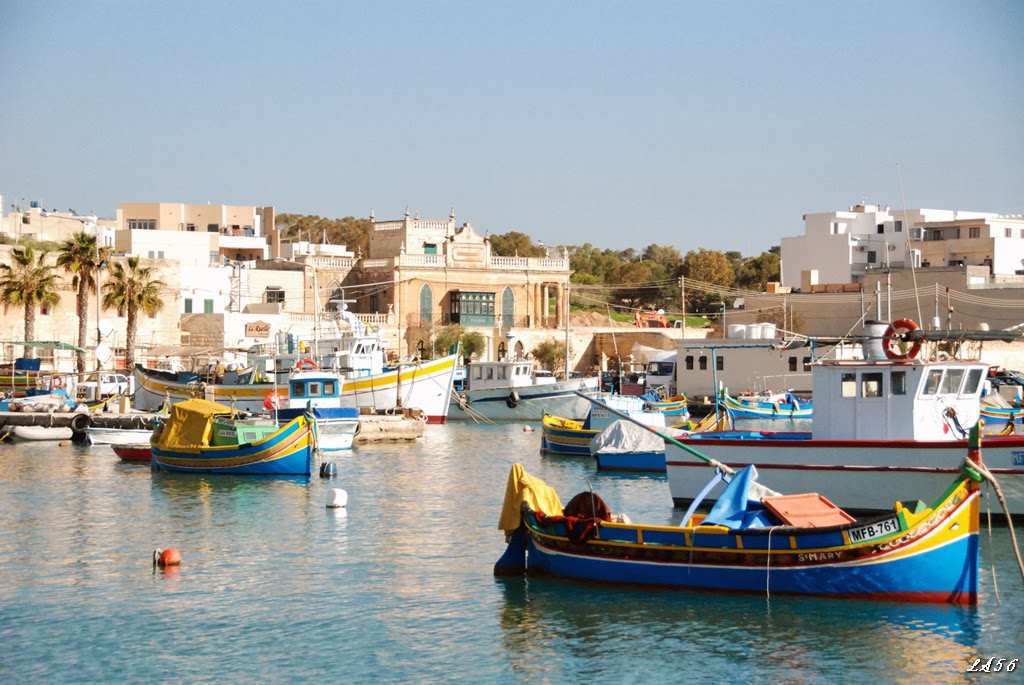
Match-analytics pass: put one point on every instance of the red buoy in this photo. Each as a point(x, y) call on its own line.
point(166, 557)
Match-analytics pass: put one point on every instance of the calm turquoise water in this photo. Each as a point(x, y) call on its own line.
point(398, 587)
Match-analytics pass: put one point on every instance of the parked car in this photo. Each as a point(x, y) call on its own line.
point(109, 384)
point(1000, 377)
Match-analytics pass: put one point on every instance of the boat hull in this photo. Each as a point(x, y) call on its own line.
point(117, 436)
point(41, 433)
point(140, 453)
point(336, 428)
point(424, 385)
point(639, 462)
point(932, 560)
point(287, 452)
point(858, 475)
point(533, 402)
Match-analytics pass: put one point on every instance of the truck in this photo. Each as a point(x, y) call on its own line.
point(661, 371)
point(649, 319)
point(109, 384)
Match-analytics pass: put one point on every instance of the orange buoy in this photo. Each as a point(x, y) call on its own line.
point(166, 557)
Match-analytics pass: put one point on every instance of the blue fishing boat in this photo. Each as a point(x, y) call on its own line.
point(567, 436)
point(317, 393)
point(755, 540)
point(206, 437)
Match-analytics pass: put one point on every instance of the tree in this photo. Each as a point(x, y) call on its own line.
point(707, 268)
point(470, 342)
point(515, 244)
point(78, 256)
point(28, 282)
point(631, 276)
point(550, 354)
point(132, 288)
point(756, 272)
point(353, 233)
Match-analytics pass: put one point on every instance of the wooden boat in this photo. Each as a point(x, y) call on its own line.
point(754, 540)
point(882, 427)
point(95, 435)
point(510, 390)
point(205, 437)
point(140, 452)
point(770, 406)
point(33, 433)
point(319, 393)
point(369, 381)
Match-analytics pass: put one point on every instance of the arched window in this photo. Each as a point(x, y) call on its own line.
point(508, 308)
point(426, 305)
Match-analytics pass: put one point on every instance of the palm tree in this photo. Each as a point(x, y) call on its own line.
point(81, 257)
point(28, 281)
point(131, 288)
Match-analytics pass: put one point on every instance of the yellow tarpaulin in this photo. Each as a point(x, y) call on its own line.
point(189, 425)
point(522, 487)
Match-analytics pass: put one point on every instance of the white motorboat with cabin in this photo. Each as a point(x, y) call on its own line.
point(318, 393)
point(510, 390)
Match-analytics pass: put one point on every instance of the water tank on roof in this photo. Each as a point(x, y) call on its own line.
point(737, 330)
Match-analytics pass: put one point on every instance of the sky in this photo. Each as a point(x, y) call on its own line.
point(694, 125)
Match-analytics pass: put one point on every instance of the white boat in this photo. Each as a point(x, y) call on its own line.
point(883, 426)
point(94, 435)
point(509, 390)
point(319, 393)
point(359, 359)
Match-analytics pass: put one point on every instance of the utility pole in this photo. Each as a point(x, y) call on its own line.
point(682, 296)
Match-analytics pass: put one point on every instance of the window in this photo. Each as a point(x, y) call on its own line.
point(720, 363)
point(848, 384)
point(190, 227)
point(792, 363)
point(974, 232)
point(299, 389)
point(871, 385)
point(807, 363)
point(1009, 232)
point(429, 248)
point(703, 363)
point(898, 226)
point(275, 294)
point(880, 228)
point(214, 257)
point(872, 256)
point(141, 224)
point(974, 377)
point(188, 305)
point(898, 383)
point(207, 306)
point(44, 309)
point(212, 228)
point(931, 383)
point(951, 381)
point(329, 389)
point(471, 308)
point(689, 363)
point(957, 234)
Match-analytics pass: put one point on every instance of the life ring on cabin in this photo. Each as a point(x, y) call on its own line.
point(79, 422)
point(270, 401)
point(303, 362)
point(57, 382)
point(512, 400)
point(889, 337)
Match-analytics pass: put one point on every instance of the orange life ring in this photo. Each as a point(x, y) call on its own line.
point(58, 382)
point(888, 338)
point(303, 362)
point(270, 401)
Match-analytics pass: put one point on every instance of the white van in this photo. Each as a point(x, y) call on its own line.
point(662, 371)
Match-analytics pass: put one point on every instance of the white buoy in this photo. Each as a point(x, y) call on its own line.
point(337, 498)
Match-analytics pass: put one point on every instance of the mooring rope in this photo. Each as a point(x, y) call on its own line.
point(1002, 500)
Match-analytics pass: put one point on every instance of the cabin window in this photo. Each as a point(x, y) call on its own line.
point(502, 373)
point(314, 390)
point(703, 363)
point(932, 382)
point(951, 381)
point(299, 389)
point(720, 363)
point(871, 385)
point(249, 436)
point(974, 377)
point(898, 383)
point(477, 373)
point(329, 389)
point(848, 385)
point(689, 363)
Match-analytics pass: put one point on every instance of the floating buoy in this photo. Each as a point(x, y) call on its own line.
point(328, 469)
point(527, 429)
point(166, 557)
point(337, 499)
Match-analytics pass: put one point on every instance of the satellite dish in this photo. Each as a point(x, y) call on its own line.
point(105, 327)
point(103, 353)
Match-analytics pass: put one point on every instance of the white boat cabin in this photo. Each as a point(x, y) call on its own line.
point(503, 374)
point(313, 389)
point(353, 356)
point(878, 399)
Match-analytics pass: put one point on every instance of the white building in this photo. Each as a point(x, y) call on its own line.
point(840, 247)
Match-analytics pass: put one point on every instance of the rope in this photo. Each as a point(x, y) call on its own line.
point(1002, 500)
point(991, 551)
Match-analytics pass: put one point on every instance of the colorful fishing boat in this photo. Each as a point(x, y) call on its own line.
point(757, 541)
point(883, 426)
point(769, 406)
point(369, 381)
point(140, 452)
point(318, 394)
point(205, 437)
point(997, 411)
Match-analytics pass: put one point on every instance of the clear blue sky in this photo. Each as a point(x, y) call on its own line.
point(621, 124)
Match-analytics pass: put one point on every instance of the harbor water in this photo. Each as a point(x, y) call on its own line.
point(398, 586)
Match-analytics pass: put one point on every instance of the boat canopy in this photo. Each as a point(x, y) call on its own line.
point(190, 424)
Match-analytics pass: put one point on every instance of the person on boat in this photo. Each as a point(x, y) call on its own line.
point(218, 372)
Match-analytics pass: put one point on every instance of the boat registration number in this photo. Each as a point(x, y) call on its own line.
point(875, 530)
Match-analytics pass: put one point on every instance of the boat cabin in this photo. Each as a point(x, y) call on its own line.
point(500, 375)
point(876, 399)
point(312, 389)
